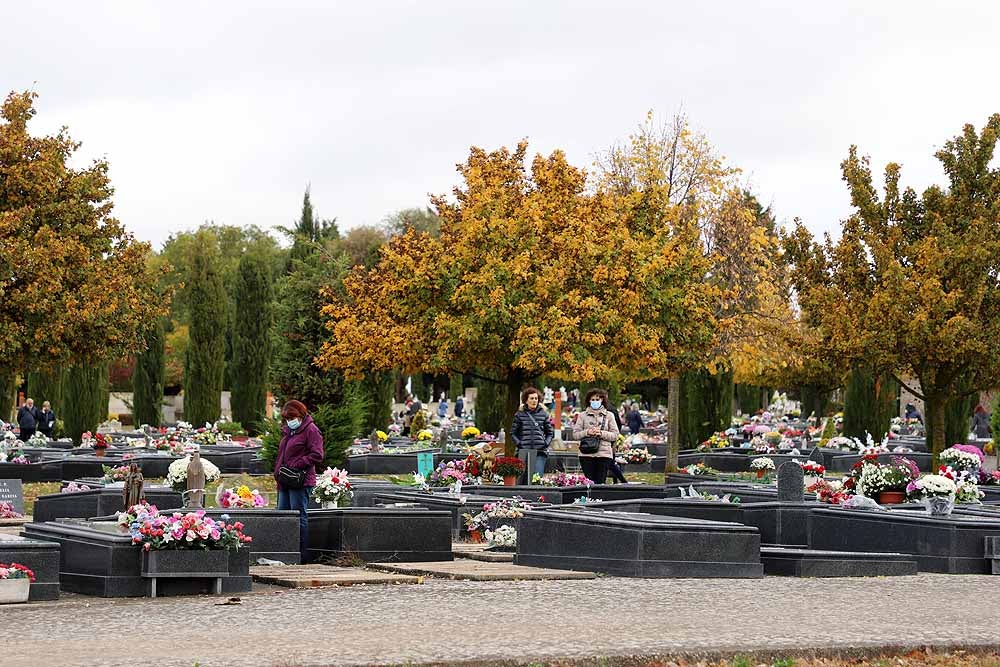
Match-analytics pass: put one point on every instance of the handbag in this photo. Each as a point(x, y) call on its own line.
point(291, 478)
point(591, 444)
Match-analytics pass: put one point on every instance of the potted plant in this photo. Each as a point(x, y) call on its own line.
point(510, 468)
point(100, 444)
point(762, 466)
point(332, 489)
point(15, 583)
point(178, 471)
point(937, 493)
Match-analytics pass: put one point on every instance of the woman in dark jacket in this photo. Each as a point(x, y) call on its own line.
point(981, 423)
point(532, 430)
point(634, 419)
point(301, 448)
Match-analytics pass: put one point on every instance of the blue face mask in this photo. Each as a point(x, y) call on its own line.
point(294, 423)
point(597, 405)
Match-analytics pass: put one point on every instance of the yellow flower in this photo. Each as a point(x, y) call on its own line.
point(244, 492)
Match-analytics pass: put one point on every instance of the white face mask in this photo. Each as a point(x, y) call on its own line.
point(294, 423)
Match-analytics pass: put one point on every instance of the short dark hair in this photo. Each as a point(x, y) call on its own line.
point(528, 391)
point(293, 409)
point(596, 391)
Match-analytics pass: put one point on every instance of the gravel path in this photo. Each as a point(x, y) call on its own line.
point(452, 621)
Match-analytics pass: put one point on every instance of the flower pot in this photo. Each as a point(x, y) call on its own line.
point(13, 591)
point(476, 536)
point(329, 504)
point(99, 452)
point(240, 438)
point(185, 563)
point(891, 497)
point(939, 505)
point(761, 473)
point(510, 480)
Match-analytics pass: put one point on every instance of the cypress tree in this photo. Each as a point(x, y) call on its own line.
point(48, 386)
point(958, 414)
point(491, 400)
point(377, 388)
point(251, 341)
point(706, 405)
point(205, 359)
point(85, 398)
point(456, 386)
point(149, 378)
point(869, 403)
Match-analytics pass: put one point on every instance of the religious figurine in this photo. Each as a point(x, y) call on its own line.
point(376, 443)
point(195, 494)
point(488, 457)
point(132, 492)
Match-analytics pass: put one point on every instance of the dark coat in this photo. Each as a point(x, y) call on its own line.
point(634, 421)
point(28, 417)
point(531, 429)
point(301, 449)
point(46, 421)
point(981, 425)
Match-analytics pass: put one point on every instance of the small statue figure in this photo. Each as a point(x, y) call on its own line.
point(195, 495)
point(132, 492)
point(489, 456)
point(376, 443)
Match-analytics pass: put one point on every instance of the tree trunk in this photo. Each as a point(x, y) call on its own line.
point(673, 422)
point(934, 414)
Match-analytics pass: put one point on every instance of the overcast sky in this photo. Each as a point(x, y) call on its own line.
point(225, 111)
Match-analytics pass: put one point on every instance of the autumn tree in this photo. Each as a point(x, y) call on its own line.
point(531, 274)
point(913, 284)
point(76, 288)
point(205, 359)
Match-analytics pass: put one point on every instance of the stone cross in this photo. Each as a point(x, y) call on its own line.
point(195, 495)
point(791, 482)
point(132, 492)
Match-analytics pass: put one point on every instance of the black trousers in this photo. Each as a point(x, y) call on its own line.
point(616, 472)
point(595, 468)
point(26, 433)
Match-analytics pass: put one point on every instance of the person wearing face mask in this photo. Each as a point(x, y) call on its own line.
point(532, 429)
point(596, 422)
point(301, 448)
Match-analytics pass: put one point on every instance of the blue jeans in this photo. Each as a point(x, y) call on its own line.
point(298, 499)
point(540, 459)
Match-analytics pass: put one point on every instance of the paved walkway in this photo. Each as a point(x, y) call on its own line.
point(452, 621)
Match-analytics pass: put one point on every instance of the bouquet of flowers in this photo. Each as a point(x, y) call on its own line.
point(333, 487)
point(241, 497)
point(842, 442)
point(761, 446)
point(177, 473)
point(872, 477)
point(699, 469)
point(828, 492)
point(508, 466)
point(16, 571)
point(73, 487)
point(504, 537)
point(762, 463)
point(425, 435)
point(17, 457)
point(931, 485)
point(812, 469)
point(7, 511)
point(382, 436)
point(637, 456)
point(470, 433)
point(773, 438)
point(38, 439)
point(561, 479)
point(716, 440)
point(962, 457)
point(447, 473)
point(114, 473)
point(208, 436)
point(508, 508)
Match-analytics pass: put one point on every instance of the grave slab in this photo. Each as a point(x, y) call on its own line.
point(380, 533)
point(784, 561)
point(40, 556)
point(472, 570)
point(318, 576)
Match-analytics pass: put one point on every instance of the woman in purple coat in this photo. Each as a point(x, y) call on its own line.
point(301, 447)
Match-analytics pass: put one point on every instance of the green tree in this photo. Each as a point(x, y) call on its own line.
point(251, 341)
point(308, 232)
point(490, 407)
point(423, 220)
point(911, 286)
point(869, 403)
point(377, 388)
point(706, 404)
point(85, 401)
point(205, 360)
point(48, 386)
point(149, 378)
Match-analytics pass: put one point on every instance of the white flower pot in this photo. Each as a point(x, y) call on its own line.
point(329, 504)
point(939, 505)
point(14, 590)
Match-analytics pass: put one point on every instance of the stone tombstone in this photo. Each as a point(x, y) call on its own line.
point(132, 492)
point(373, 438)
point(12, 492)
point(195, 495)
point(791, 482)
point(816, 456)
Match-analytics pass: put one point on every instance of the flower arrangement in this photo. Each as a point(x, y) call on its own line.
point(17, 457)
point(333, 486)
point(761, 446)
point(114, 473)
point(843, 442)
point(194, 530)
point(762, 463)
point(871, 477)
point(966, 484)
point(561, 479)
point(930, 486)
point(424, 435)
point(178, 471)
point(637, 456)
point(773, 438)
point(447, 473)
point(828, 492)
point(716, 441)
point(382, 436)
point(73, 487)
point(7, 511)
point(37, 439)
point(699, 469)
point(507, 508)
point(962, 457)
point(241, 497)
point(470, 433)
point(812, 469)
point(100, 442)
point(508, 466)
point(395, 429)
point(504, 537)
point(208, 436)
point(16, 571)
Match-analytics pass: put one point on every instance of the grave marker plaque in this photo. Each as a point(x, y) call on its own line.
point(425, 463)
point(12, 492)
point(791, 482)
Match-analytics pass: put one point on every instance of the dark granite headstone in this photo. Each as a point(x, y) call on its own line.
point(12, 492)
point(816, 455)
point(791, 482)
point(41, 557)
